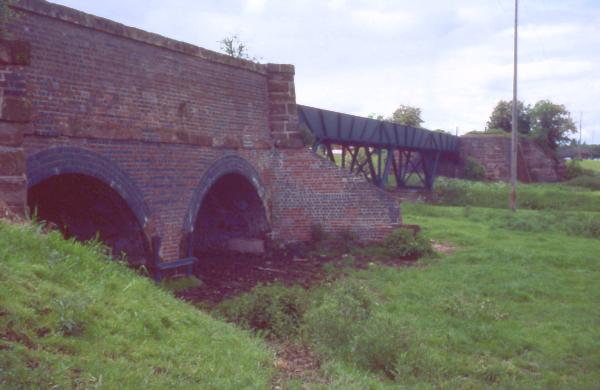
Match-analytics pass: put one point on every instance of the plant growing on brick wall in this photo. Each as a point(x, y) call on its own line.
point(474, 170)
point(234, 47)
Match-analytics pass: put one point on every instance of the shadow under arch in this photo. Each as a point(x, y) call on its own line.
point(230, 201)
point(79, 191)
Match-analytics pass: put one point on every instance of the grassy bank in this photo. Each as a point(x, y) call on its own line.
point(511, 307)
point(71, 318)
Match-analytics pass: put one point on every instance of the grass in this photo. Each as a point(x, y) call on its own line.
point(558, 197)
point(514, 306)
point(592, 165)
point(71, 318)
point(507, 310)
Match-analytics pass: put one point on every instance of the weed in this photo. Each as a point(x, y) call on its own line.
point(274, 309)
point(473, 170)
point(71, 312)
point(405, 243)
point(574, 169)
point(586, 181)
point(180, 284)
point(318, 234)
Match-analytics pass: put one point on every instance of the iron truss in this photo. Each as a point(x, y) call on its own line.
point(388, 154)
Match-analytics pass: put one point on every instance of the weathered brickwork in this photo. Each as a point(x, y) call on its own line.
point(152, 117)
point(493, 153)
point(15, 115)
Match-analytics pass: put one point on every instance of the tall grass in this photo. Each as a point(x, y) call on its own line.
point(453, 192)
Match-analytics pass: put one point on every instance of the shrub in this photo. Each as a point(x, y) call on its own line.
point(574, 169)
point(404, 243)
point(473, 170)
point(587, 181)
point(307, 136)
point(274, 309)
point(318, 234)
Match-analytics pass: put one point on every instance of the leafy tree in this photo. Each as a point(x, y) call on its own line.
point(375, 116)
point(233, 46)
point(551, 123)
point(501, 117)
point(408, 116)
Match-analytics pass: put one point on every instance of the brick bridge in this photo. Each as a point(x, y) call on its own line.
point(112, 129)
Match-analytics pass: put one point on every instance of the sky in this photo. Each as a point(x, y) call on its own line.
point(453, 59)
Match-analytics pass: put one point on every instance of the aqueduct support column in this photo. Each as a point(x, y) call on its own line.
point(15, 117)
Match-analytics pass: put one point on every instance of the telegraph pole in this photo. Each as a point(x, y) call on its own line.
point(580, 117)
point(515, 127)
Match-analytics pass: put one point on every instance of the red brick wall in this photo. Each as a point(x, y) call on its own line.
point(493, 153)
point(162, 112)
point(15, 115)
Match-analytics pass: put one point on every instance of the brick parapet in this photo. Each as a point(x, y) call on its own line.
point(70, 15)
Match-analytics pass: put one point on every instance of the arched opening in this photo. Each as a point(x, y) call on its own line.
point(82, 207)
point(230, 216)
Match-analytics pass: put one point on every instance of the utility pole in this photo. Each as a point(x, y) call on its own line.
point(515, 127)
point(580, 117)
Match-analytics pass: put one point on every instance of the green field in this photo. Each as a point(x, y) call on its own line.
point(513, 304)
point(593, 165)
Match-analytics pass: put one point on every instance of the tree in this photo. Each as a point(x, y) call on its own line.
point(233, 46)
point(408, 116)
point(551, 123)
point(501, 117)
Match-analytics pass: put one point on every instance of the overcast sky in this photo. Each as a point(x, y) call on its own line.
point(453, 59)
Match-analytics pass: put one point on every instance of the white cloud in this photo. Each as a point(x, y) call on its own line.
point(255, 6)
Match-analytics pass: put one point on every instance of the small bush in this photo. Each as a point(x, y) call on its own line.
point(318, 234)
point(587, 181)
point(582, 225)
point(275, 310)
point(473, 170)
point(574, 169)
point(404, 243)
point(307, 136)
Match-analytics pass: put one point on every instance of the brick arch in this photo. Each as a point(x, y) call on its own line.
point(64, 160)
point(221, 167)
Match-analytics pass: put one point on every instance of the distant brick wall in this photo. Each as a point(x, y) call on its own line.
point(160, 113)
point(493, 153)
